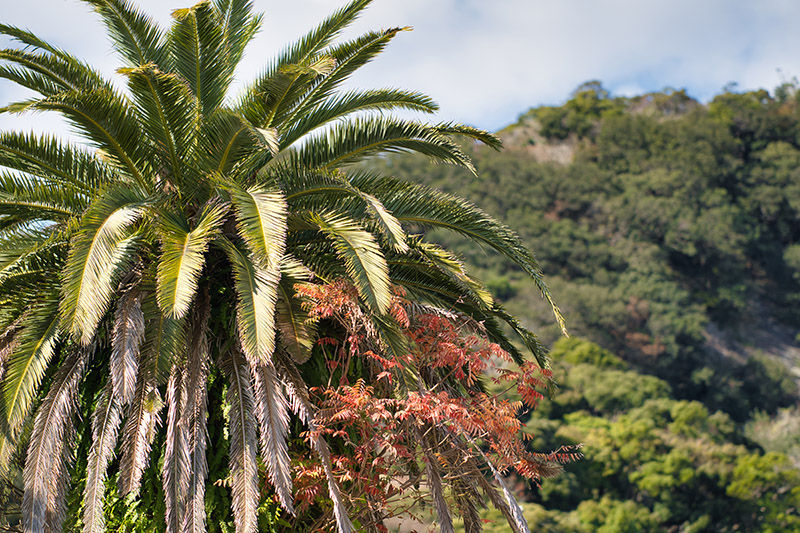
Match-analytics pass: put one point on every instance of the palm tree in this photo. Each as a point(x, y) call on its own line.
point(171, 243)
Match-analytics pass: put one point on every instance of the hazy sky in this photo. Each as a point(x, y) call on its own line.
point(486, 61)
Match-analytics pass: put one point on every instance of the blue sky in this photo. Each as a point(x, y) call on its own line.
point(486, 61)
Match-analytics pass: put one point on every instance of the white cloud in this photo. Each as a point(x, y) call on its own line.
point(487, 61)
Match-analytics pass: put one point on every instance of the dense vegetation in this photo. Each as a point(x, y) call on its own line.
point(669, 232)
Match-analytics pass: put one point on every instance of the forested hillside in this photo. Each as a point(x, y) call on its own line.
point(669, 231)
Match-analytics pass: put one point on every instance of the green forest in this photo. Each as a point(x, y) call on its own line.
point(669, 232)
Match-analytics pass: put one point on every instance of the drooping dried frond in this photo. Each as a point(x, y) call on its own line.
point(243, 439)
point(468, 500)
point(105, 426)
point(434, 478)
point(300, 403)
point(194, 417)
point(273, 416)
point(175, 472)
point(142, 418)
point(126, 341)
point(49, 451)
point(516, 518)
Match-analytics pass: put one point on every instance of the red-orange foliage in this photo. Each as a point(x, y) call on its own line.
point(431, 396)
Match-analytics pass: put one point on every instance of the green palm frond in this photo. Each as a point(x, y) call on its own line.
point(363, 258)
point(53, 72)
point(183, 256)
point(226, 142)
point(450, 212)
point(26, 367)
point(53, 162)
point(256, 287)
point(296, 331)
point(34, 81)
point(168, 113)
point(313, 117)
point(239, 24)
point(317, 191)
point(108, 122)
point(261, 221)
point(198, 44)
point(354, 140)
point(34, 200)
point(136, 36)
point(253, 104)
point(97, 253)
point(348, 57)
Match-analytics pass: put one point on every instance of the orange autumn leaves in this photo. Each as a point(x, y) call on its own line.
point(381, 407)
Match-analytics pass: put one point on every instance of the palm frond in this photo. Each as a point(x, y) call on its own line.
point(164, 338)
point(168, 115)
point(48, 456)
point(105, 427)
point(299, 402)
point(273, 415)
point(97, 253)
point(254, 104)
point(183, 257)
point(35, 199)
point(126, 340)
point(353, 102)
point(243, 441)
point(198, 44)
point(355, 139)
point(467, 499)
point(49, 72)
point(175, 471)
point(455, 214)
point(136, 36)
point(107, 121)
point(226, 143)
point(296, 331)
point(434, 476)
point(510, 507)
point(256, 288)
point(194, 417)
point(239, 26)
point(25, 367)
point(138, 433)
point(348, 57)
point(362, 256)
point(261, 221)
point(53, 161)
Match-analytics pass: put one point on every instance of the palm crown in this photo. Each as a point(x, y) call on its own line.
point(190, 207)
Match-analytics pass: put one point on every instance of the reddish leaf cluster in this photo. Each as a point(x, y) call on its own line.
point(401, 403)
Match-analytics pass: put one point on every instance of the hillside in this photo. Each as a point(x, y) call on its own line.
point(669, 232)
